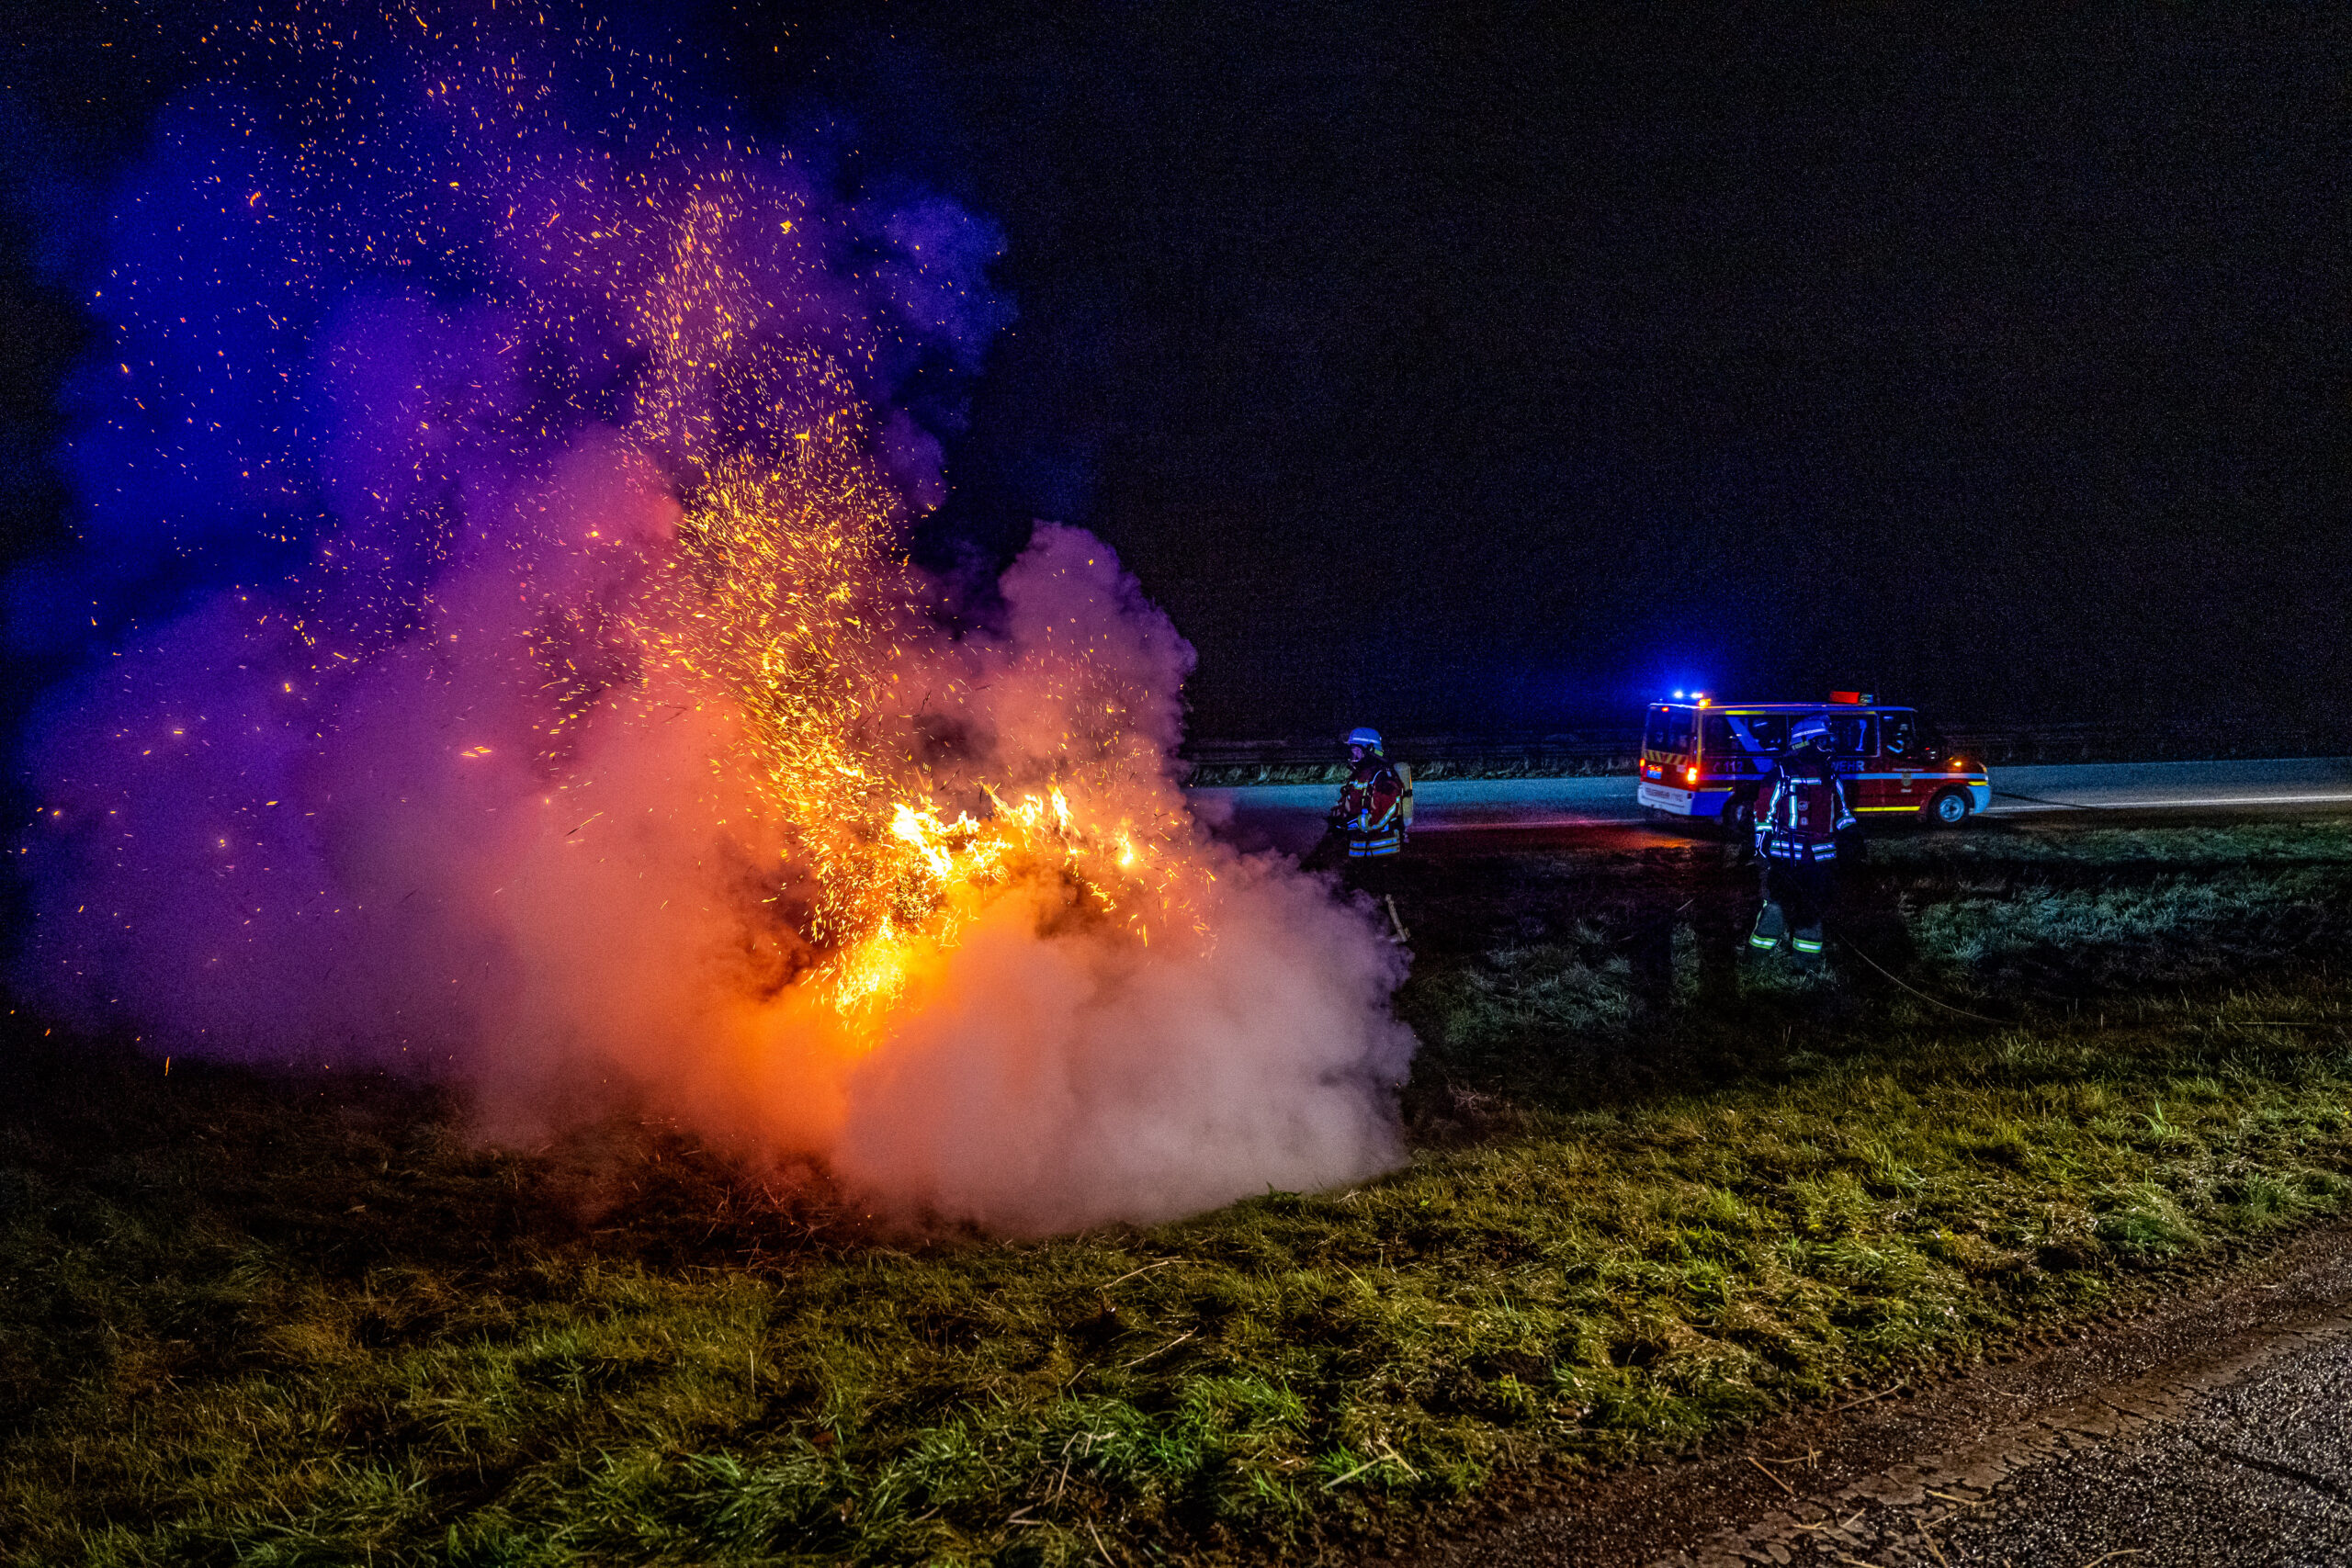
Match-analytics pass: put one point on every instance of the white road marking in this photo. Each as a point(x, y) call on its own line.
point(2151, 803)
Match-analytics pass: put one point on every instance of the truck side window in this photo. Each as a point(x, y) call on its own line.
point(1897, 738)
point(1668, 730)
point(1853, 735)
point(1714, 737)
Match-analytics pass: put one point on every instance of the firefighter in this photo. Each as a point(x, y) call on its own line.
point(1799, 813)
point(1369, 816)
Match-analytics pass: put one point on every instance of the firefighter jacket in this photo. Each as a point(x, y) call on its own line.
point(1369, 809)
point(1802, 807)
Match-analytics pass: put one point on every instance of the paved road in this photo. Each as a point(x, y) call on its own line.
point(2215, 1433)
point(1290, 817)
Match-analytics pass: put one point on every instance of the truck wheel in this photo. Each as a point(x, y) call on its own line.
point(1950, 808)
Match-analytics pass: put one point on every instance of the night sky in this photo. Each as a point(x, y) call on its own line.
point(1460, 369)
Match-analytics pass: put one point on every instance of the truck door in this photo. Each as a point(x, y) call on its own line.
point(1856, 756)
point(1901, 748)
point(1719, 754)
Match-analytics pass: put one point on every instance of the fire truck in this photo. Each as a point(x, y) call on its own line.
point(1702, 758)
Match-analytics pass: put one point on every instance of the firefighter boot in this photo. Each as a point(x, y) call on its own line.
point(1771, 927)
point(1807, 941)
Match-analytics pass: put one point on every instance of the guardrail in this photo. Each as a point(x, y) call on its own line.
point(1574, 754)
point(1583, 753)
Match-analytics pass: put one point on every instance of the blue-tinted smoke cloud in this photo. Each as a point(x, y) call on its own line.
point(367, 489)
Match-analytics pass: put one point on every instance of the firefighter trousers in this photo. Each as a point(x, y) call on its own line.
point(1796, 897)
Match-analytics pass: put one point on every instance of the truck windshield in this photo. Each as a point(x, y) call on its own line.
point(1668, 730)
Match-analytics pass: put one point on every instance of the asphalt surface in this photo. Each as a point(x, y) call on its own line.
point(2215, 1432)
point(1290, 817)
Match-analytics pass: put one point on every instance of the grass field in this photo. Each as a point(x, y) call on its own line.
point(1656, 1194)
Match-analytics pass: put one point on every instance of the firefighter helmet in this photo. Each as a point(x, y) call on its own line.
point(1811, 730)
point(1361, 736)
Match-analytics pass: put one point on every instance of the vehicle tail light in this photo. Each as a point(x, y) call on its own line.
point(1690, 775)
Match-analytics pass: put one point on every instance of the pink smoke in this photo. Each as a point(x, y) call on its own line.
point(433, 800)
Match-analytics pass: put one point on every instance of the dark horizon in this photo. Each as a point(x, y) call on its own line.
point(1452, 373)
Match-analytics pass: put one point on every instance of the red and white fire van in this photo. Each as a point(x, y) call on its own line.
point(1705, 759)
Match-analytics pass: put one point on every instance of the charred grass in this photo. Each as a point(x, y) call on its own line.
point(1658, 1193)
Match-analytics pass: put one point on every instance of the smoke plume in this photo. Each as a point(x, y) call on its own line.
point(498, 661)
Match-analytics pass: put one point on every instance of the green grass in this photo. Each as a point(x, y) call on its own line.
point(1658, 1193)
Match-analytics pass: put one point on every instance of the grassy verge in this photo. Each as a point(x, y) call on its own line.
point(1658, 1193)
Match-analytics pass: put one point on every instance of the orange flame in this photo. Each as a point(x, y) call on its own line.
point(786, 594)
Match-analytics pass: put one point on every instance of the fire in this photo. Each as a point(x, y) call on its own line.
point(952, 869)
point(785, 596)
